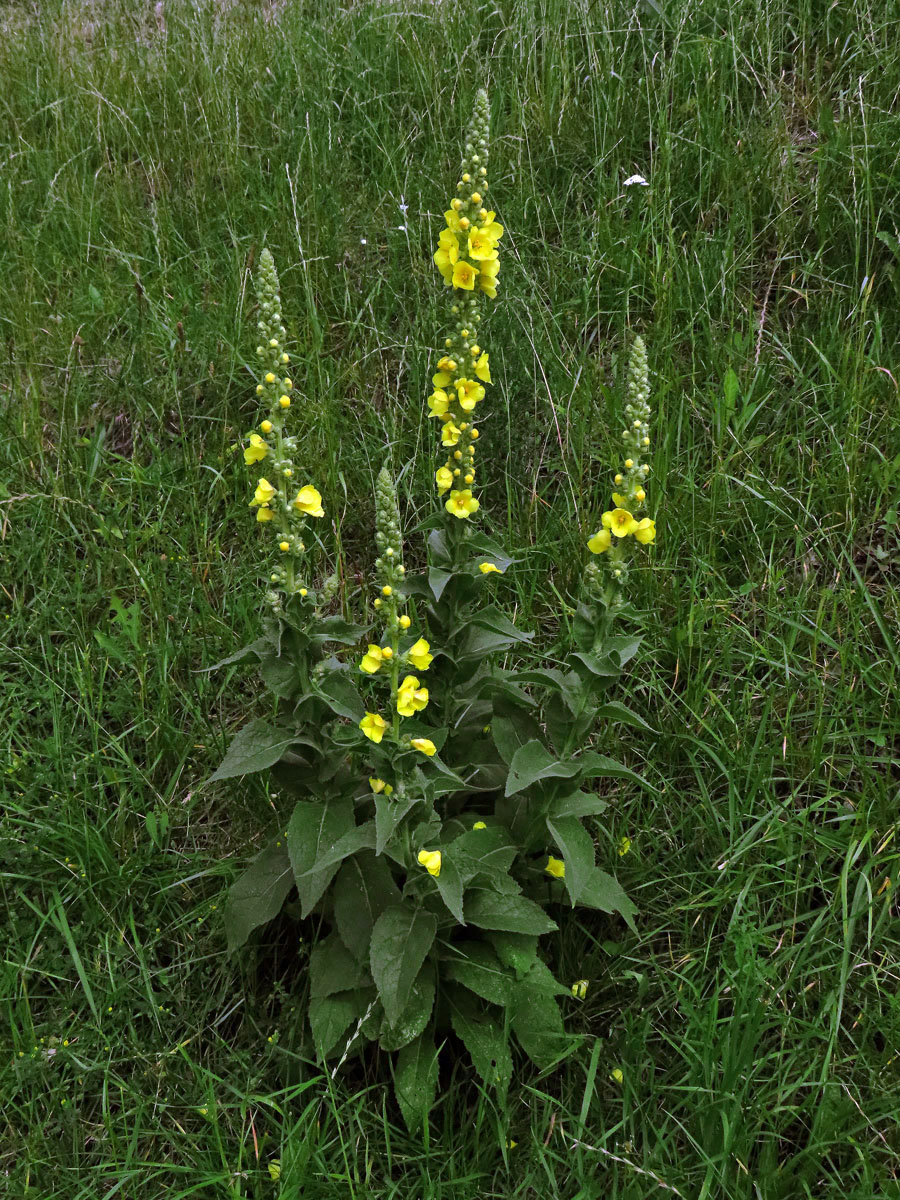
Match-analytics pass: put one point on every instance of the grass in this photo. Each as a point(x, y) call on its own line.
point(147, 156)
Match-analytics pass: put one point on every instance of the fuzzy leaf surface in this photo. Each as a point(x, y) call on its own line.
point(577, 848)
point(513, 914)
point(401, 938)
point(257, 895)
point(484, 1036)
point(257, 746)
point(362, 891)
point(477, 967)
point(604, 892)
point(332, 968)
point(415, 1015)
point(415, 1079)
point(534, 762)
point(313, 832)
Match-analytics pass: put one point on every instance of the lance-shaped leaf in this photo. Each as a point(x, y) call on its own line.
point(313, 832)
point(476, 966)
point(363, 889)
point(484, 1036)
point(605, 893)
point(253, 748)
point(337, 1016)
point(257, 896)
point(415, 1079)
point(537, 1021)
point(332, 968)
point(614, 710)
point(577, 848)
point(415, 1015)
point(401, 939)
point(533, 762)
point(514, 914)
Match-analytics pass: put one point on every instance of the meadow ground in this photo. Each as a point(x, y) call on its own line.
point(148, 153)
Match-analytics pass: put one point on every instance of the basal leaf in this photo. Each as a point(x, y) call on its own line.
point(332, 968)
point(401, 939)
point(415, 1015)
point(514, 914)
point(363, 889)
point(476, 966)
point(331, 1018)
point(577, 848)
point(313, 832)
point(415, 1079)
point(484, 1036)
point(537, 1023)
point(257, 895)
point(253, 748)
point(596, 766)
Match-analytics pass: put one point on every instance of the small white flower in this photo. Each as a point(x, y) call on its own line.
point(635, 179)
point(363, 241)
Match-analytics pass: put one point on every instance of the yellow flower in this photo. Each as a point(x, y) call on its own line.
point(275, 1170)
point(263, 494)
point(616, 1076)
point(265, 513)
point(371, 660)
point(620, 522)
point(256, 451)
point(488, 568)
point(441, 378)
point(373, 727)
point(624, 846)
point(438, 402)
point(444, 479)
point(450, 434)
point(431, 861)
point(447, 363)
point(379, 785)
point(464, 275)
point(579, 989)
point(491, 228)
point(600, 542)
point(469, 393)
point(482, 369)
point(452, 219)
point(410, 697)
point(418, 655)
point(479, 825)
point(646, 531)
point(490, 268)
point(426, 745)
point(489, 288)
point(481, 245)
point(555, 867)
point(462, 504)
point(619, 501)
point(309, 501)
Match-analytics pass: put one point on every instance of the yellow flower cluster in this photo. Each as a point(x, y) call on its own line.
point(468, 259)
point(276, 501)
point(408, 696)
point(622, 521)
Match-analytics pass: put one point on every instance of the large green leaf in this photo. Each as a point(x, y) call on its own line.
point(516, 950)
point(514, 914)
point(388, 815)
point(577, 848)
point(450, 885)
point(332, 968)
point(415, 1015)
point(401, 939)
point(330, 1017)
point(596, 766)
point(488, 850)
point(614, 710)
point(578, 804)
point(313, 832)
point(476, 966)
point(341, 695)
point(484, 1036)
point(510, 735)
point(605, 893)
point(257, 895)
point(537, 1021)
point(253, 748)
point(415, 1079)
point(362, 891)
point(533, 762)
point(336, 629)
point(360, 837)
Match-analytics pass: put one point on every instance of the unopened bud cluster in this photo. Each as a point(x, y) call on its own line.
point(623, 521)
point(469, 261)
point(277, 499)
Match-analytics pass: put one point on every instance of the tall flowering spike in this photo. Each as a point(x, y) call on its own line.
point(279, 502)
point(398, 648)
point(623, 520)
point(468, 259)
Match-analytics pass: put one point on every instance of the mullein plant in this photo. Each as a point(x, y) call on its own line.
point(441, 777)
